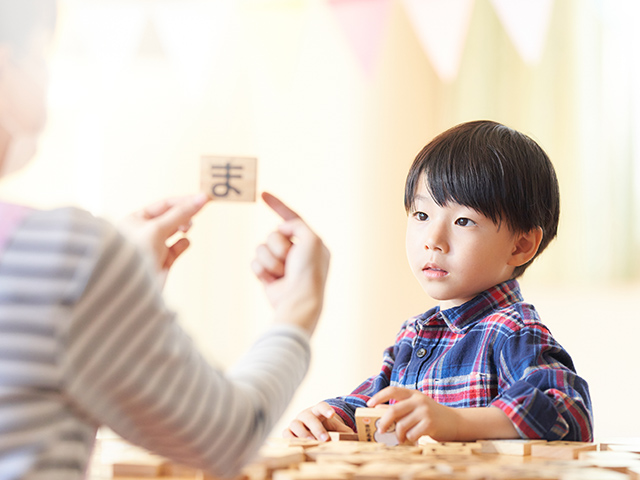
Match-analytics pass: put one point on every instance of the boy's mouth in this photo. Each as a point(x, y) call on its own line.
point(433, 271)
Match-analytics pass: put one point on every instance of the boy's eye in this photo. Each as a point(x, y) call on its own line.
point(464, 222)
point(421, 216)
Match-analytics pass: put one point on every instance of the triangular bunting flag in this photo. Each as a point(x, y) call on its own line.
point(363, 22)
point(150, 44)
point(441, 26)
point(193, 34)
point(526, 22)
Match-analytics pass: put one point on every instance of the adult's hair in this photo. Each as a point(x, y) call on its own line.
point(495, 170)
point(20, 19)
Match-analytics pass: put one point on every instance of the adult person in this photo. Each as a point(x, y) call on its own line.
point(85, 337)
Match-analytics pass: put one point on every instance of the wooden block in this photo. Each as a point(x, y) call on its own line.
point(385, 471)
point(617, 461)
point(561, 450)
point(593, 474)
point(278, 442)
point(367, 426)
point(508, 447)
point(143, 466)
point(338, 467)
point(451, 448)
point(342, 448)
point(274, 458)
point(621, 447)
point(343, 437)
point(326, 474)
point(171, 469)
point(230, 179)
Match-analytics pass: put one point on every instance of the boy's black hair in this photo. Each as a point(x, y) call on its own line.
point(495, 170)
point(20, 19)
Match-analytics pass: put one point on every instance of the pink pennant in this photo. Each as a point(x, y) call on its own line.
point(363, 22)
point(441, 26)
point(526, 23)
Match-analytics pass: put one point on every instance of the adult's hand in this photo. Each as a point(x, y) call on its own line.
point(153, 226)
point(292, 265)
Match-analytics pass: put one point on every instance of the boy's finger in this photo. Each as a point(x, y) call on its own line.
point(383, 396)
point(279, 206)
point(300, 430)
point(314, 425)
point(324, 409)
point(388, 421)
point(336, 424)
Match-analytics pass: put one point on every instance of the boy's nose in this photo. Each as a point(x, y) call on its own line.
point(436, 239)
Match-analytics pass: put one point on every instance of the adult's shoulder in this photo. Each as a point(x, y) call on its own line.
point(70, 219)
point(68, 241)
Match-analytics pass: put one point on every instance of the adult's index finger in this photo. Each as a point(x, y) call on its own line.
point(279, 207)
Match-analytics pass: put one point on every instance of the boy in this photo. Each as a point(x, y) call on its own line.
point(482, 203)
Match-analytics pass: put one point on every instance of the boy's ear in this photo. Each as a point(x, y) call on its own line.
point(525, 247)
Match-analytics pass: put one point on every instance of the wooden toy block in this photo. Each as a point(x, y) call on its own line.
point(508, 447)
point(621, 447)
point(617, 461)
point(142, 466)
point(274, 458)
point(593, 474)
point(293, 474)
point(171, 469)
point(561, 450)
point(384, 471)
point(230, 178)
point(343, 437)
point(292, 442)
point(367, 425)
point(335, 467)
point(451, 448)
point(342, 448)
point(353, 459)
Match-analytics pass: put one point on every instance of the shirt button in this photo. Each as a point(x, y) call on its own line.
point(421, 352)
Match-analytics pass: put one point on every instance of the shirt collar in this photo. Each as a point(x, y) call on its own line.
point(461, 318)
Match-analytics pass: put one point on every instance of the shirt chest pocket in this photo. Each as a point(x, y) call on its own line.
point(476, 389)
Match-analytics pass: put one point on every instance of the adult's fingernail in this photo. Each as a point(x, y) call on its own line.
point(324, 437)
point(200, 199)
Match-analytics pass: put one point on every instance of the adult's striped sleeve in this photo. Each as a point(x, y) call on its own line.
point(130, 366)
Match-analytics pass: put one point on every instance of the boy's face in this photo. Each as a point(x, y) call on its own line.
point(454, 251)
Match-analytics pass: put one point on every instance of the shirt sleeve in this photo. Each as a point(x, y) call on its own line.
point(539, 389)
point(345, 406)
point(128, 365)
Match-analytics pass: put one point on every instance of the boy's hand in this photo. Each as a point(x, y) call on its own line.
point(416, 414)
point(315, 422)
point(292, 265)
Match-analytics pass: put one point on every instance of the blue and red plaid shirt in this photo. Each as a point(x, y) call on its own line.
point(490, 351)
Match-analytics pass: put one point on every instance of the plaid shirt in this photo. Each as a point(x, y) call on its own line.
point(490, 351)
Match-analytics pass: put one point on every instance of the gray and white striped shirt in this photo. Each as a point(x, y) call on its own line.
point(86, 340)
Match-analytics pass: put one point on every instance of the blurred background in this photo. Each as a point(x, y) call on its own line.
point(335, 98)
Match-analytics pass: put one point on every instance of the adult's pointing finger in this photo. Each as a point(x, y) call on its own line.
point(279, 207)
